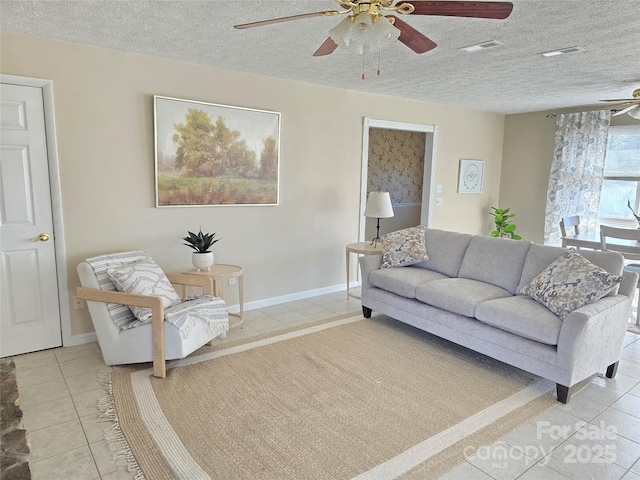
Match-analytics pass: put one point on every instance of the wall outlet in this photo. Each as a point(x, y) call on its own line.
point(78, 303)
point(438, 188)
point(232, 281)
point(439, 202)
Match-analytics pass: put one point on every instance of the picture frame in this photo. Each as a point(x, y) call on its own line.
point(471, 176)
point(208, 154)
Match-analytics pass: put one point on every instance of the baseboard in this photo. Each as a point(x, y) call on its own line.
point(267, 302)
point(83, 338)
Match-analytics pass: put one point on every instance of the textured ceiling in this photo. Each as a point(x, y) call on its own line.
point(512, 78)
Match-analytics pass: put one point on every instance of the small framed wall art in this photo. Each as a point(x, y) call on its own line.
point(471, 176)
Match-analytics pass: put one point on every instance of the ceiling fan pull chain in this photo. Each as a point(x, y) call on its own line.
point(379, 50)
point(364, 50)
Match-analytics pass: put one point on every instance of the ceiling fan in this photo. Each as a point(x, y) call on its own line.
point(633, 109)
point(366, 15)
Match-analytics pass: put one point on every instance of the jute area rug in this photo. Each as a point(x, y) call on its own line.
point(345, 398)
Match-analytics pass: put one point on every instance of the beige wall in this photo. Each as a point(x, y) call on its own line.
point(528, 151)
point(104, 119)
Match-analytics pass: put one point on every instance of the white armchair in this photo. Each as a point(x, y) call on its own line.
point(158, 340)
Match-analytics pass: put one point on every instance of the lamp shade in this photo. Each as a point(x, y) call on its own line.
point(379, 205)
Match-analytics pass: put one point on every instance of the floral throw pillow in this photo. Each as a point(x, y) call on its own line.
point(404, 247)
point(570, 282)
point(144, 278)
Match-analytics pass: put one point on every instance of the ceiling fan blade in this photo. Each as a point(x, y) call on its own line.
point(628, 109)
point(286, 19)
point(326, 48)
point(622, 100)
point(495, 10)
point(411, 37)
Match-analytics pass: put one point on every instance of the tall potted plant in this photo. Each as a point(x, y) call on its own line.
point(202, 257)
point(504, 227)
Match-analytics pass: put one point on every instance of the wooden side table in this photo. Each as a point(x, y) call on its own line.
point(361, 248)
point(219, 272)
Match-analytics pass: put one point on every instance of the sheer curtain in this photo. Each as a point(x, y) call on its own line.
point(576, 171)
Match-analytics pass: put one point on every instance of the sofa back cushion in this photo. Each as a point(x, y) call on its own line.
point(446, 251)
point(497, 261)
point(540, 257)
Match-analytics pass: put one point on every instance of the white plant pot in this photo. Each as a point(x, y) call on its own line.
point(202, 261)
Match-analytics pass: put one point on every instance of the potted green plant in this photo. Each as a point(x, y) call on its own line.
point(504, 228)
point(201, 243)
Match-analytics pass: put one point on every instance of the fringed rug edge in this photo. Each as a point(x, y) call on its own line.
point(116, 441)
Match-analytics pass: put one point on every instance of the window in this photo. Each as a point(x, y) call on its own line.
point(621, 183)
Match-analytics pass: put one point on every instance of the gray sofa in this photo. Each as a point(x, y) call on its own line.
point(468, 292)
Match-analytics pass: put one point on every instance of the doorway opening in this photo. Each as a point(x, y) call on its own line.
point(399, 158)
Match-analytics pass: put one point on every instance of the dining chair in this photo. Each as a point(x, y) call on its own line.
point(572, 221)
point(630, 252)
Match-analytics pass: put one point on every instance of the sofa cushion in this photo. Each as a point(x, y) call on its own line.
point(570, 282)
point(403, 280)
point(446, 251)
point(540, 257)
point(523, 316)
point(497, 261)
point(404, 247)
point(458, 295)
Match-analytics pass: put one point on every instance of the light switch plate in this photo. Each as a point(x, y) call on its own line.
point(439, 201)
point(438, 188)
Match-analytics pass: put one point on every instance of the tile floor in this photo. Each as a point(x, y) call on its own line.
point(59, 392)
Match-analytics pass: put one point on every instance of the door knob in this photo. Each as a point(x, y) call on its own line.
point(43, 237)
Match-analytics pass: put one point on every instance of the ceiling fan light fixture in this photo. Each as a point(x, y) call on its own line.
point(341, 32)
point(384, 33)
point(354, 33)
point(635, 112)
point(361, 31)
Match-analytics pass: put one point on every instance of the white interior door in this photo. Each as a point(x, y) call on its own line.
point(30, 313)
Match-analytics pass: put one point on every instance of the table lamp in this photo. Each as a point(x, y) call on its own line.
point(378, 206)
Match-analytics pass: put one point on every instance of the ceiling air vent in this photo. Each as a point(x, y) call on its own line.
point(482, 46)
point(553, 53)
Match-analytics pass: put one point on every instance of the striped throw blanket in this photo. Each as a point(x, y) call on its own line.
point(183, 315)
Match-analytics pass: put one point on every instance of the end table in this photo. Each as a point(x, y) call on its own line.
point(361, 248)
point(221, 271)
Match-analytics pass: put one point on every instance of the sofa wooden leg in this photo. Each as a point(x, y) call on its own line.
point(612, 370)
point(563, 393)
point(366, 312)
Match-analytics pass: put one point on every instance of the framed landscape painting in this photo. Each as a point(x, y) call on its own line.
point(208, 154)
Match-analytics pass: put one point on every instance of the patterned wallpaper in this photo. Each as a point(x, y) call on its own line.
point(396, 164)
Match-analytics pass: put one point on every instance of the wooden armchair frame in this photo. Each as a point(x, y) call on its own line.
point(157, 310)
